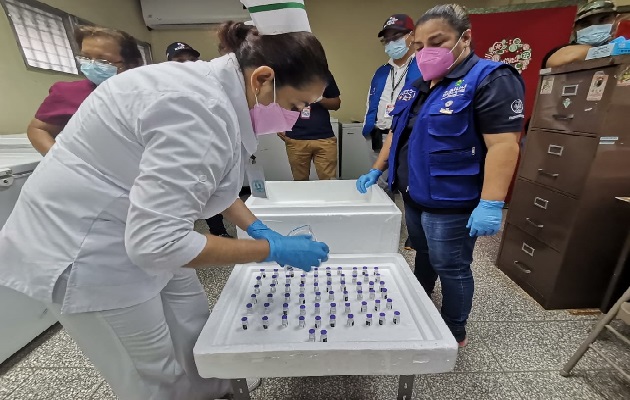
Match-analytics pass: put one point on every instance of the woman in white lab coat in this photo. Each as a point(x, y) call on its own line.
point(103, 230)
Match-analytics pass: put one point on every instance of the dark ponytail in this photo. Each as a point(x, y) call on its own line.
point(296, 58)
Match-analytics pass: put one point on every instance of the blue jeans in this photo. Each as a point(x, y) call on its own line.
point(444, 248)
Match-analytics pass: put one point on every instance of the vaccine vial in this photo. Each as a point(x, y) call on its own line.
point(263, 273)
point(327, 269)
point(346, 296)
point(384, 294)
point(311, 335)
point(364, 306)
point(377, 305)
point(257, 289)
point(382, 284)
point(274, 279)
point(265, 322)
point(267, 308)
point(287, 297)
point(350, 320)
point(354, 279)
point(285, 308)
point(316, 308)
point(275, 271)
point(328, 286)
point(371, 284)
point(288, 280)
point(324, 335)
point(342, 287)
point(381, 319)
point(359, 285)
point(302, 298)
point(303, 309)
point(359, 294)
point(318, 321)
point(244, 322)
point(285, 320)
point(396, 317)
point(302, 321)
point(333, 308)
point(287, 288)
point(333, 320)
point(354, 269)
point(318, 296)
point(375, 270)
point(368, 320)
point(339, 270)
point(377, 278)
point(316, 278)
point(250, 308)
point(331, 296)
point(273, 288)
point(291, 272)
point(365, 271)
point(366, 278)
point(372, 294)
point(316, 287)
point(390, 303)
point(254, 300)
point(302, 288)
point(302, 279)
point(259, 280)
point(270, 298)
point(347, 308)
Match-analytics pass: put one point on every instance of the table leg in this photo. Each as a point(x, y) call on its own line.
point(405, 387)
point(241, 391)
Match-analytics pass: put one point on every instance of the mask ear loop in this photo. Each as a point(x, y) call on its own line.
point(274, 89)
point(460, 54)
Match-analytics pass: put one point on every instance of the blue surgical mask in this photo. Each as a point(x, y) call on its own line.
point(96, 72)
point(594, 35)
point(397, 49)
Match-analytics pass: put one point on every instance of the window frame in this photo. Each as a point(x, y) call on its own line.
point(65, 17)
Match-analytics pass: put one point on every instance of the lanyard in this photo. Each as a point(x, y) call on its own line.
point(396, 84)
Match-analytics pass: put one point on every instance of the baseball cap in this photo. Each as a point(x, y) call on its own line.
point(398, 22)
point(595, 7)
point(176, 47)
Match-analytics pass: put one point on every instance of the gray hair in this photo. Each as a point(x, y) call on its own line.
point(454, 14)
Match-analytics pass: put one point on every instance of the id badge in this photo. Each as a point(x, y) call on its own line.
point(388, 110)
point(306, 113)
point(256, 177)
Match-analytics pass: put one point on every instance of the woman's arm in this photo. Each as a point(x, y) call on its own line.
point(42, 135)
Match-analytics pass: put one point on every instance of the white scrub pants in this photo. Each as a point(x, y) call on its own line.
point(382, 181)
point(145, 352)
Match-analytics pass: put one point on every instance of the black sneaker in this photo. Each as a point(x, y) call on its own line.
point(408, 245)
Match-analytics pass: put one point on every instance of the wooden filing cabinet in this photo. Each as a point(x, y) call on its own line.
point(564, 228)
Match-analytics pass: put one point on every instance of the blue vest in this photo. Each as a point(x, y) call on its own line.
point(446, 152)
point(376, 90)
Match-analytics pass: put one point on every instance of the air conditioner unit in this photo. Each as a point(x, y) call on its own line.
point(168, 14)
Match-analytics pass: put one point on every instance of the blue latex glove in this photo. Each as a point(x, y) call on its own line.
point(485, 220)
point(367, 180)
point(257, 230)
point(297, 251)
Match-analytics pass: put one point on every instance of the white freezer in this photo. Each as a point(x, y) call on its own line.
point(21, 318)
point(348, 221)
point(420, 343)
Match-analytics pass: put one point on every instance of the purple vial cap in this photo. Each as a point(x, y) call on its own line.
point(302, 318)
point(360, 291)
point(371, 290)
point(364, 303)
point(273, 285)
point(253, 296)
point(331, 292)
point(382, 314)
point(270, 295)
point(301, 285)
point(249, 305)
point(316, 284)
point(285, 305)
point(265, 318)
point(284, 316)
point(377, 301)
point(316, 304)
point(359, 284)
point(275, 270)
point(329, 283)
point(390, 300)
point(364, 267)
point(267, 304)
point(350, 315)
point(256, 286)
point(287, 295)
point(347, 304)
point(324, 332)
point(318, 293)
point(274, 276)
point(302, 307)
point(311, 331)
point(258, 278)
point(369, 315)
point(333, 304)
point(301, 295)
point(345, 292)
point(327, 268)
point(303, 275)
point(371, 282)
point(287, 285)
point(333, 316)
point(244, 319)
point(317, 318)
point(354, 268)
point(396, 312)
point(384, 290)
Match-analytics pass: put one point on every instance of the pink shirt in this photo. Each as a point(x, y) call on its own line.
point(63, 101)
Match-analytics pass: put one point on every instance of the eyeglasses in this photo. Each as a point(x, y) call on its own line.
point(397, 36)
point(82, 59)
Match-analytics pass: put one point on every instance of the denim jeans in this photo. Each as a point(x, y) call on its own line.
point(444, 249)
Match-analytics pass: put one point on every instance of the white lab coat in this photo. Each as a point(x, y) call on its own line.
point(118, 195)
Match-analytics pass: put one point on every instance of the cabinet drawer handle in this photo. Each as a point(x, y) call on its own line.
point(555, 150)
point(541, 203)
point(532, 223)
point(549, 174)
point(522, 267)
point(561, 117)
point(527, 249)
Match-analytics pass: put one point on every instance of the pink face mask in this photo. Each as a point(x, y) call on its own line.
point(272, 118)
point(435, 62)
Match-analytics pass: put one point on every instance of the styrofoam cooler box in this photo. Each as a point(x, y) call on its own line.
point(420, 343)
point(347, 221)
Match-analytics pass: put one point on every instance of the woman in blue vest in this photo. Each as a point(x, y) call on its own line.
point(451, 152)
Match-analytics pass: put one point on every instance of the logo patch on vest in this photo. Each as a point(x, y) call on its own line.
point(457, 91)
point(406, 95)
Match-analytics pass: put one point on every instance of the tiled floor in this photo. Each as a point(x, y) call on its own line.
point(516, 350)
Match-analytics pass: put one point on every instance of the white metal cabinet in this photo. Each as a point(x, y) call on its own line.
point(355, 156)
